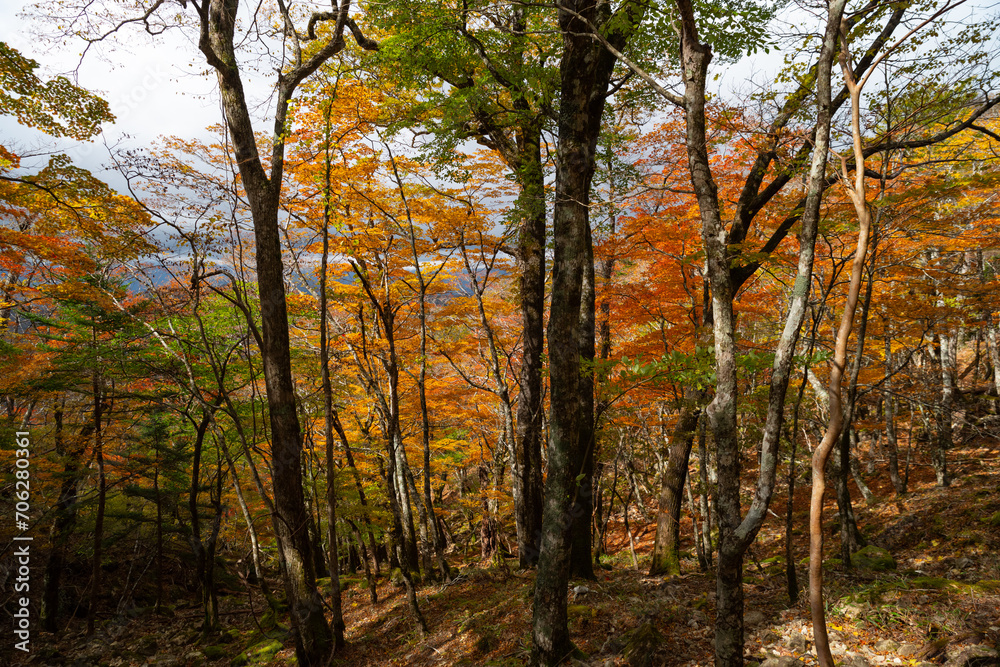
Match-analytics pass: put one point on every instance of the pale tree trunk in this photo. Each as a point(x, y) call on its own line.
point(994, 352)
point(736, 533)
point(943, 414)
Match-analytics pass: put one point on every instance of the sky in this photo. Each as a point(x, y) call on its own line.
point(152, 91)
point(157, 88)
point(161, 86)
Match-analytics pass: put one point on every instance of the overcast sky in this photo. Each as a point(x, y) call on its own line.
point(156, 88)
point(152, 89)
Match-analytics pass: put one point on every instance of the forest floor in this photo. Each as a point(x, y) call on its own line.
point(945, 590)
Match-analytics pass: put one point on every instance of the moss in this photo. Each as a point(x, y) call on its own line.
point(258, 654)
point(987, 585)
point(935, 583)
point(873, 558)
point(214, 652)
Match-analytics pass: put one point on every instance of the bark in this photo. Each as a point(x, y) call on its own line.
point(531, 282)
point(336, 606)
point(665, 558)
point(203, 563)
point(736, 533)
point(102, 488)
point(703, 481)
point(889, 411)
point(65, 519)
point(585, 73)
point(851, 538)
point(581, 561)
point(994, 352)
point(943, 412)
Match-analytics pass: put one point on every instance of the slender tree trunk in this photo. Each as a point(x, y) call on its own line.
point(528, 487)
point(102, 488)
point(581, 560)
point(889, 411)
point(836, 423)
point(665, 558)
point(943, 413)
point(65, 519)
point(328, 412)
point(994, 352)
point(706, 507)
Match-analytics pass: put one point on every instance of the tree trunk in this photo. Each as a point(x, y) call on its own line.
point(665, 558)
point(531, 282)
point(581, 560)
point(736, 533)
point(943, 413)
point(328, 413)
point(102, 488)
point(836, 423)
point(585, 74)
point(65, 519)
point(889, 411)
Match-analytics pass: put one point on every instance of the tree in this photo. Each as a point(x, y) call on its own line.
point(585, 78)
point(216, 21)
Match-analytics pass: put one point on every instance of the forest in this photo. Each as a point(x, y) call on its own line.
point(497, 332)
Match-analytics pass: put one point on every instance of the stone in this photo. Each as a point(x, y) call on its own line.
point(215, 652)
point(977, 655)
point(754, 618)
point(886, 645)
point(782, 661)
point(908, 650)
point(770, 637)
point(873, 558)
point(855, 660)
point(798, 643)
point(853, 609)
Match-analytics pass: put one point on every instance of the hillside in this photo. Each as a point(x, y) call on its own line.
point(940, 603)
